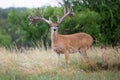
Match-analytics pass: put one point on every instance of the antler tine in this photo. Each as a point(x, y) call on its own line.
point(37, 12)
point(72, 9)
point(30, 17)
point(68, 11)
point(42, 12)
point(33, 12)
point(58, 18)
point(43, 18)
point(65, 10)
point(71, 12)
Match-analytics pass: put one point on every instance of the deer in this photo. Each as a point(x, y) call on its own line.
point(63, 43)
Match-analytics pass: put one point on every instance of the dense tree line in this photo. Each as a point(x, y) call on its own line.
point(100, 18)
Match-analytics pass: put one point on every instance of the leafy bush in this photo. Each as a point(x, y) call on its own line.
point(5, 40)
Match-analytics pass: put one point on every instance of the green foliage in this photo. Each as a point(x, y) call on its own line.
point(109, 11)
point(5, 40)
point(98, 18)
point(27, 34)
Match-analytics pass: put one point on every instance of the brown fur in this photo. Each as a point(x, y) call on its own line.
point(65, 44)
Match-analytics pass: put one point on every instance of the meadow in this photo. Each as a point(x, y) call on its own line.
point(38, 64)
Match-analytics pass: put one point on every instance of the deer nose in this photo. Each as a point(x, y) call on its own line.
point(54, 29)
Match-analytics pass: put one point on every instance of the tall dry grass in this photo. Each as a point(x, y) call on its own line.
point(31, 61)
point(36, 61)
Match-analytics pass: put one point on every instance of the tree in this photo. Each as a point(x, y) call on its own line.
point(108, 10)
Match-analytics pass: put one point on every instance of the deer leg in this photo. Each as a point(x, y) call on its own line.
point(84, 54)
point(57, 58)
point(67, 57)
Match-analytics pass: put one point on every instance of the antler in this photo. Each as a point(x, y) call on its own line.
point(37, 18)
point(34, 19)
point(67, 12)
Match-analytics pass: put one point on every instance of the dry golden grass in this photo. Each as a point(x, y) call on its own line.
point(32, 61)
point(37, 61)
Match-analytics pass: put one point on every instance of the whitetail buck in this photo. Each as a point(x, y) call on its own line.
point(65, 44)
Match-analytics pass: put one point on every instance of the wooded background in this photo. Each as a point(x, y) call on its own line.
point(99, 18)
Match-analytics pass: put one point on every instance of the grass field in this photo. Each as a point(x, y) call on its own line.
point(38, 64)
